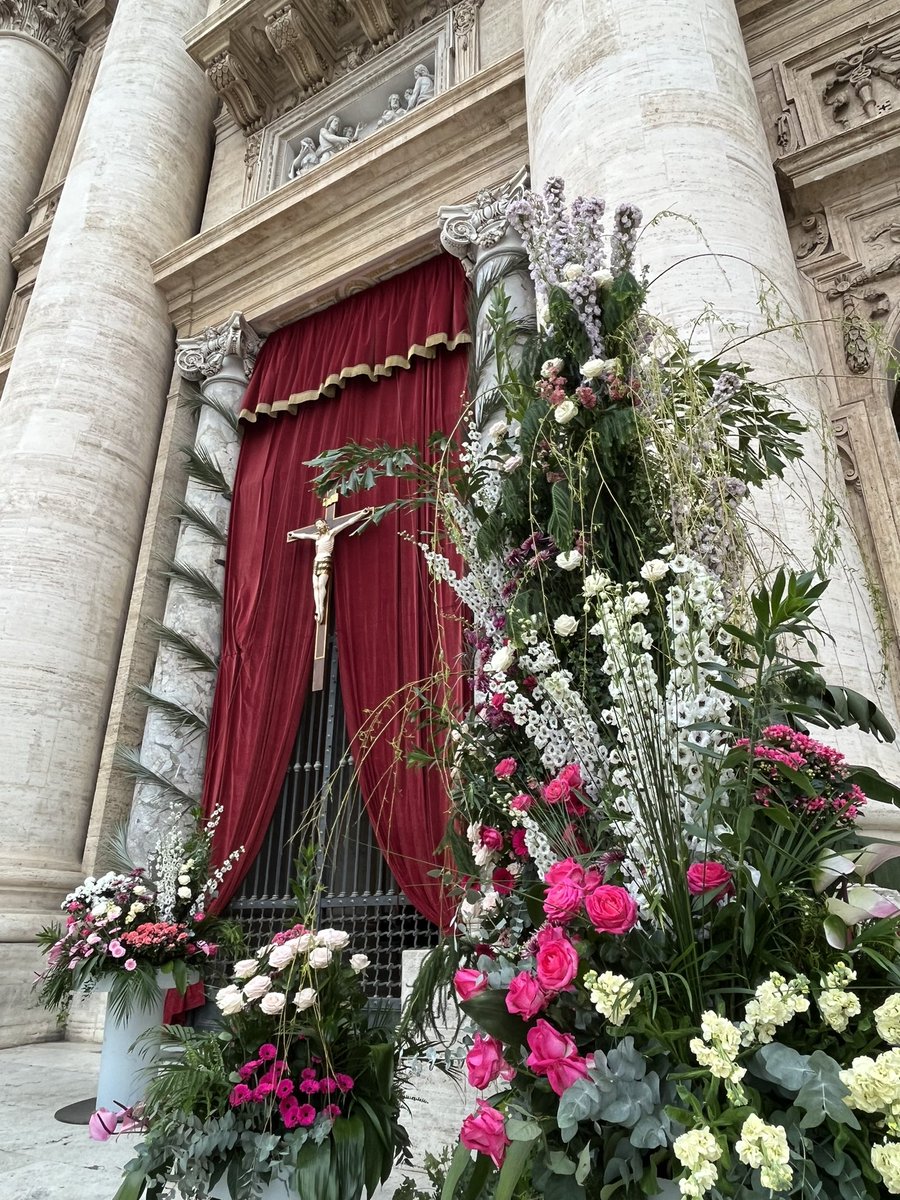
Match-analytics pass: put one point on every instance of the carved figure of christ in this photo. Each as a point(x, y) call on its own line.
point(322, 533)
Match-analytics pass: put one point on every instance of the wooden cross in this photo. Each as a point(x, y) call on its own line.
point(322, 534)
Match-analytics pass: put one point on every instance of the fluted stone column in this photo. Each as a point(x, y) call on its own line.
point(82, 411)
point(221, 359)
point(37, 50)
point(651, 101)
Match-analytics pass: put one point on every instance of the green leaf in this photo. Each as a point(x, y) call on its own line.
point(348, 1156)
point(517, 1155)
point(522, 1131)
point(488, 1009)
point(824, 1095)
point(132, 1186)
point(584, 1163)
point(781, 1065)
point(458, 1163)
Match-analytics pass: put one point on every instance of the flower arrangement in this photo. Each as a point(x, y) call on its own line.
point(124, 928)
point(680, 977)
point(299, 1083)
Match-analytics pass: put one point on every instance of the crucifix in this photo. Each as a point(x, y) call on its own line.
point(323, 533)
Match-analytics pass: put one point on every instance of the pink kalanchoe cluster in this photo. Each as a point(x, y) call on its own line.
point(778, 747)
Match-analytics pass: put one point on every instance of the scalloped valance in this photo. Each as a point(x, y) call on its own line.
point(371, 334)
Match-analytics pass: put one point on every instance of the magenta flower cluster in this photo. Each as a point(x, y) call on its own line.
point(266, 1080)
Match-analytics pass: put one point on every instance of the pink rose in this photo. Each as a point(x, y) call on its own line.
point(469, 982)
point(709, 876)
point(556, 960)
point(571, 775)
point(491, 837)
point(505, 768)
point(566, 871)
point(522, 802)
point(518, 844)
point(555, 1055)
point(485, 1132)
point(525, 996)
point(611, 909)
point(485, 1061)
point(555, 791)
point(563, 901)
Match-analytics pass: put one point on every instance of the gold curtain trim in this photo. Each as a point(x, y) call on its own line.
point(330, 386)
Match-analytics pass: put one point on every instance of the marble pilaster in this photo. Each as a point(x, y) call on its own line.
point(82, 412)
point(652, 101)
point(221, 360)
point(37, 48)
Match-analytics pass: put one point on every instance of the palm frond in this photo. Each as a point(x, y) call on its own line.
point(205, 471)
point(176, 716)
point(430, 996)
point(501, 268)
point(192, 579)
point(194, 400)
point(196, 657)
point(114, 853)
point(190, 514)
point(129, 761)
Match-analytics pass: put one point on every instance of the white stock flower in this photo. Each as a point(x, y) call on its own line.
point(283, 954)
point(272, 1003)
point(319, 958)
point(887, 1020)
point(698, 1151)
point(765, 1147)
point(334, 939)
point(229, 1000)
point(565, 411)
point(257, 987)
point(835, 1003)
point(501, 660)
point(498, 432)
point(304, 999)
point(719, 1047)
point(775, 1003)
point(653, 570)
point(886, 1161)
point(565, 625)
point(359, 962)
point(569, 560)
point(873, 1083)
point(552, 366)
point(245, 968)
point(613, 996)
point(602, 278)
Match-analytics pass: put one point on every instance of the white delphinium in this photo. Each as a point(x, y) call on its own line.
point(765, 1147)
point(776, 1002)
point(536, 843)
point(698, 1151)
point(835, 1003)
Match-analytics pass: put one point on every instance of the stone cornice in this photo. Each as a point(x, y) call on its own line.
point(842, 152)
point(50, 22)
point(297, 249)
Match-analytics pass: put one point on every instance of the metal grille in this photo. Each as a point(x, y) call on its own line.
point(320, 802)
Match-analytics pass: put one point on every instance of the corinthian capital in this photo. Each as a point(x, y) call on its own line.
point(468, 228)
point(202, 356)
point(50, 22)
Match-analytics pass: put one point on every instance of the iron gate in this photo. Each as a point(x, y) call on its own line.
point(320, 801)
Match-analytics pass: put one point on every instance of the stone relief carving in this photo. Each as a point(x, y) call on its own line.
point(51, 22)
point(812, 238)
point(858, 86)
point(201, 357)
point(251, 152)
point(785, 133)
point(859, 311)
point(466, 228)
point(293, 45)
point(229, 79)
point(847, 455)
point(378, 21)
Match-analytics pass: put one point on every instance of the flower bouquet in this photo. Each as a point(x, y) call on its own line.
point(298, 1088)
point(681, 974)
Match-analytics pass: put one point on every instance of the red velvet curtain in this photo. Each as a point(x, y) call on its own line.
point(388, 629)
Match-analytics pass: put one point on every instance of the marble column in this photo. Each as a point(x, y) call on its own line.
point(652, 101)
point(479, 235)
point(221, 359)
point(37, 50)
point(82, 411)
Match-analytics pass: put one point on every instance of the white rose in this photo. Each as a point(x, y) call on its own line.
point(257, 987)
point(565, 625)
point(229, 1000)
point(512, 463)
point(185, 893)
point(272, 1003)
point(569, 560)
point(595, 583)
point(359, 962)
point(552, 366)
point(498, 432)
point(594, 368)
point(334, 939)
point(282, 955)
point(184, 879)
point(654, 570)
point(245, 968)
point(542, 312)
point(502, 659)
point(113, 911)
point(573, 271)
point(304, 941)
point(565, 411)
point(602, 278)
point(319, 958)
point(304, 999)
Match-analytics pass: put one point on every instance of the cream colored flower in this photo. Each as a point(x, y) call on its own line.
point(319, 958)
point(283, 954)
point(359, 962)
point(765, 1147)
point(698, 1151)
point(776, 1002)
point(185, 893)
point(501, 660)
point(886, 1161)
point(653, 570)
point(835, 1003)
point(245, 968)
point(602, 278)
point(569, 560)
point(613, 996)
point(719, 1047)
point(887, 1020)
point(565, 411)
point(552, 366)
point(257, 987)
point(565, 625)
point(572, 271)
point(304, 999)
point(229, 1000)
point(334, 939)
point(272, 1003)
point(873, 1083)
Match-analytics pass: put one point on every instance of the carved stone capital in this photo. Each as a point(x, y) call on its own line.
point(230, 80)
point(296, 47)
point(201, 357)
point(468, 228)
point(50, 22)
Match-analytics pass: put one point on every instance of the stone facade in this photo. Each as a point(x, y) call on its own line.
point(769, 128)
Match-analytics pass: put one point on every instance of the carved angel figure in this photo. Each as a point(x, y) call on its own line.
point(306, 159)
point(422, 89)
point(331, 141)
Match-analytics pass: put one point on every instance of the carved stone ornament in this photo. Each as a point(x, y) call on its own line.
point(229, 79)
point(857, 349)
point(853, 83)
point(378, 21)
point(465, 14)
point(294, 45)
point(467, 228)
point(51, 22)
point(812, 239)
point(202, 356)
point(844, 442)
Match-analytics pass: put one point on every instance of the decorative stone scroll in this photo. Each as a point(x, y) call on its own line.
point(862, 81)
point(201, 357)
point(468, 228)
point(50, 22)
